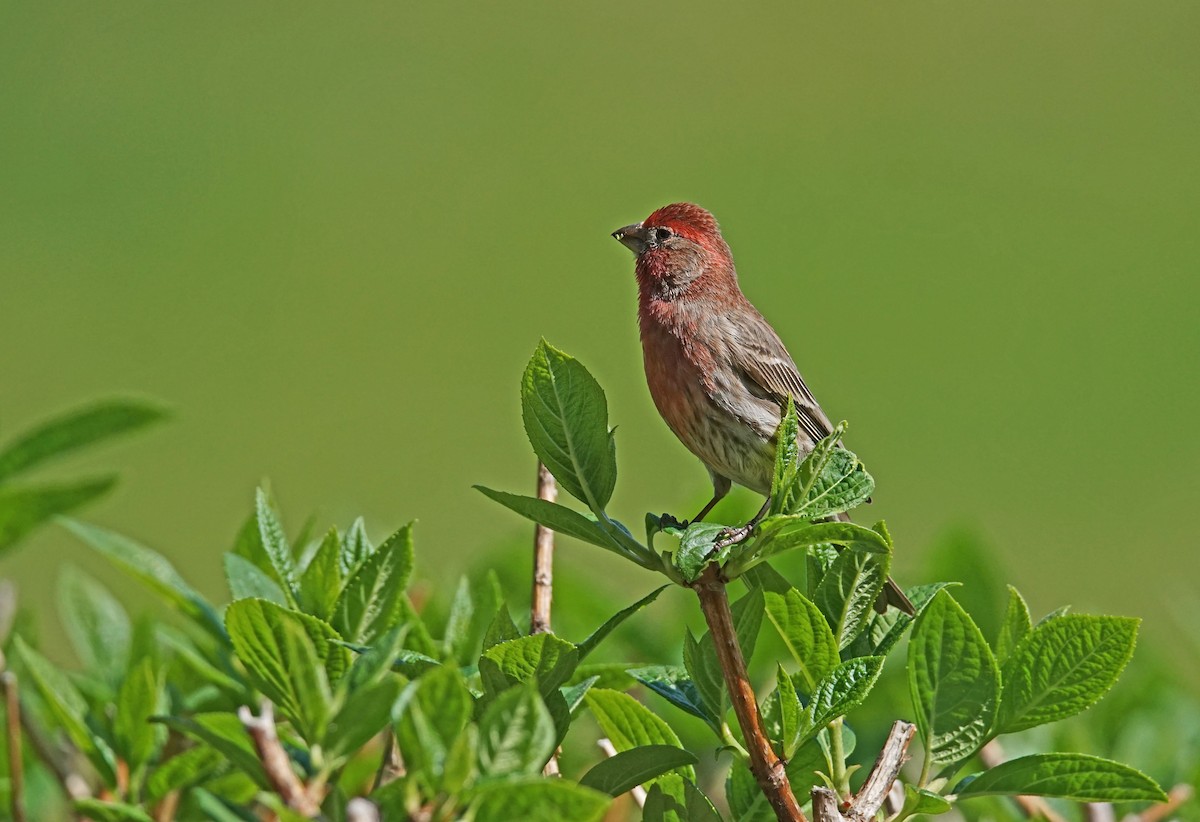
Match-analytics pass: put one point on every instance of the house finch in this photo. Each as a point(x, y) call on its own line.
point(717, 371)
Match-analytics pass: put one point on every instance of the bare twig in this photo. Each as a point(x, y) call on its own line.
point(766, 765)
point(275, 760)
point(1156, 813)
point(16, 773)
point(874, 792)
point(390, 766)
point(825, 806)
point(361, 810)
point(637, 792)
point(543, 558)
point(60, 762)
point(1034, 807)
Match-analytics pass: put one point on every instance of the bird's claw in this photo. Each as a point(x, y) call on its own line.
point(731, 536)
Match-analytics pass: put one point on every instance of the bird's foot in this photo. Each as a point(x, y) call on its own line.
point(666, 521)
point(731, 536)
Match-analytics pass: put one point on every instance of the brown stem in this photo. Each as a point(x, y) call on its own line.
point(275, 762)
point(1156, 813)
point(16, 773)
point(543, 558)
point(767, 767)
point(825, 806)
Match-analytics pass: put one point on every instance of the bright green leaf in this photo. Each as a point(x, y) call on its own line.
point(806, 634)
point(847, 592)
point(517, 735)
point(25, 508)
point(371, 603)
point(539, 800)
point(1074, 776)
point(247, 580)
point(95, 622)
point(1016, 625)
point(630, 724)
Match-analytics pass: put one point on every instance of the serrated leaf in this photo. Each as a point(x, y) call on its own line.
point(1074, 776)
point(322, 581)
point(95, 622)
point(697, 551)
point(566, 419)
point(1063, 667)
point(371, 603)
point(23, 509)
point(672, 683)
point(539, 800)
point(1016, 625)
point(841, 690)
point(636, 766)
point(101, 811)
point(182, 770)
point(629, 724)
point(516, 734)
point(543, 658)
point(782, 715)
point(828, 481)
point(150, 568)
point(780, 534)
point(140, 697)
point(224, 733)
point(806, 633)
point(75, 430)
point(275, 543)
point(787, 457)
point(430, 714)
point(611, 624)
point(887, 629)
point(847, 592)
point(356, 546)
point(246, 579)
point(953, 680)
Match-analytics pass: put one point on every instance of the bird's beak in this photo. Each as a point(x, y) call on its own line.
point(634, 237)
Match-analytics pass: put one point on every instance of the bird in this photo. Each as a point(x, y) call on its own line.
point(718, 372)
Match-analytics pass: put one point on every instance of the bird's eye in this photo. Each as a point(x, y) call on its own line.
point(661, 235)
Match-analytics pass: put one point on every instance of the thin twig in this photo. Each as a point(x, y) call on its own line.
point(60, 762)
point(543, 558)
point(637, 792)
point(16, 772)
point(390, 766)
point(766, 765)
point(275, 760)
point(825, 806)
point(874, 791)
point(1033, 807)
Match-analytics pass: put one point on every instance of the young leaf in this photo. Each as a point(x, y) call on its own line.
point(183, 770)
point(356, 546)
point(275, 543)
point(517, 735)
point(538, 800)
point(310, 683)
point(141, 697)
point(842, 690)
point(566, 420)
point(1074, 776)
point(747, 615)
point(829, 481)
point(953, 680)
point(429, 716)
point(95, 622)
point(610, 624)
point(224, 733)
point(778, 535)
point(101, 811)
point(782, 715)
point(847, 592)
point(23, 509)
point(636, 766)
point(1063, 667)
point(1016, 625)
point(558, 518)
point(501, 629)
point(787, 457)
point(920, 801)
point(674, 799)
point(75, 430)
point(370, 604)
point(805, 633)
point(697, 549)
point(247, 580)
point(322, 580)
point(885, 630)
point(671, 682)
point(543, 658)
point(701, 664)
point(630, 724)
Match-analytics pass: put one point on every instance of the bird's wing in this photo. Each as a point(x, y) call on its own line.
point(769, 372)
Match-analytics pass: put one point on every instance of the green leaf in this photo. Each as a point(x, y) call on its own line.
point(747, 615)
point(275, 543)
point(247, 580)
point(95, 622)
point(558, 518)
point(806, 634)
point(517, 735)
point(842, 690)
point(259, 632)
point(23, 509)
point(566, 420)
point(543, 658)
point(953, 680)
point(309, 681)
point(1063, 667)
point(829, 481)
point(630, 724)
point(101, 811)
point(224, 733)
point(672, 683)
point(920, 801)
point(458, 623)
point(1016, 625)
point(697, 550)
point(356, 546)
point(322, 580)
point(141, 697)
point(636, 766)
point(539, 800)
point(780, 534)
point(183, 770)
point(429, 716)
point(1074, 776)
point(847, 592)
point(150, 568)
point(75, 430)
point(887, 629)
point(610, 624)
point(700, 661)
point(674, 799)
point(782, 715)
point(371, 603)
point(68, 708)
point(501, 629)
point(787, 458)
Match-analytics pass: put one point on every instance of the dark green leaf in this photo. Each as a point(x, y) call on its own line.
point(183, 770)
point(629, 724)
point(885, 630)
point(371, 603)
point(598, 636)
point(1063, 667)
point(95, 622)
point(501, 629)
point(573, 694)
point(782, 715)
point(539, 800)
point(953, 680)
point(558, 518)
point(696, 549)
point(672, 798)
point(23, 509)
point(566, 420)
point(75, 430)
point(747, 615)
point(517, 735)
point(780, 534)
point(673, 684)
point(806, 634)
point(1074, 776)
point(700, 661)
point(847, 592)
point(628, 769)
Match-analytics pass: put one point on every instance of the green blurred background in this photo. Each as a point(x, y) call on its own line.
point(331, 235)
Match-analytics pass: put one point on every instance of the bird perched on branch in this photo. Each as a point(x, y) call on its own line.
point(717, 371)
